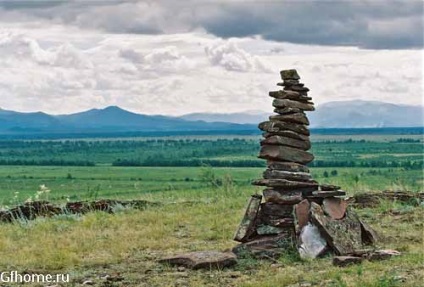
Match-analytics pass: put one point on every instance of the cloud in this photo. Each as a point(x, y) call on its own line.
point(232, 58)
point(63, 69)
point(366, 24)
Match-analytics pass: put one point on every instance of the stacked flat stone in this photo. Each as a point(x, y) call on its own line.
point(295, 205)
point(285, 145)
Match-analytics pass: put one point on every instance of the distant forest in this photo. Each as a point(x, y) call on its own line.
point(227, 152)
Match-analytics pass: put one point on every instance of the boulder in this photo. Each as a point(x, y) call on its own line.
point(202, 260)
point(281, 140)
point(369, 236)
point(268, 229)
point(297, 88)
point(284, 153)
point(328, 187)
point(283, 103)
point(277, 126)
point(297, 118)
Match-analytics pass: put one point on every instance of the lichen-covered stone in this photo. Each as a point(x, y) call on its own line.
point(289, 75)
point(247, 225)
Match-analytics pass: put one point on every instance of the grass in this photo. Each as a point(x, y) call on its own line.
point(201, 211)
point(131, 241)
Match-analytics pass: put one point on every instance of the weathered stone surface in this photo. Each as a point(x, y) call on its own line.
point(284, 153)
point(277, 210)
point(298, 118)
point(267, 246)
point(328, 187)
point(312, 244)
point(301, 214)
point(277, 126)
point(323, 194)
point(382, 254)
point(297, 88)
point(287, 166)
point(290, 82)
point(280, 140)
point(202, 260)
point(287, 110)
point(334, 207)
point(289, 95)
point(282, 197)
point(343, 235)
point(268, 230)
point(289, 75)
point(281, 94)
point(284, 183)
point(369, 236)
point(247, 225)
point(280, 222)
point(287, 133)
point(343, 261)
point(279, 174)
point(283, 103)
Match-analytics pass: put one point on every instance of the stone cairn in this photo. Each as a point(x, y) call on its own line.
point(297, 210)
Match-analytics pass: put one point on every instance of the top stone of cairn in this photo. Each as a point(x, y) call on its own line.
point(289, 75)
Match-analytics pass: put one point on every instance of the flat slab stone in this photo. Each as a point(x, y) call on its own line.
point(270, 209)
point(383, 254)
point(287, 133)
point(301, 213)
point(297, 88)
point(343, 261)
point(328, 187)
point(284, 183)
point(287, 166)
point(324, 194)
point(279, 174)
point(282, 197)
point(289, 75)
point(284, 103)
point(278, 126)
point(286, 141)
point(297, 118)
point(202, 260)
point(334, 207)
point(247, 225)
point(284, 153)
point(287, 110)
point(343, 235)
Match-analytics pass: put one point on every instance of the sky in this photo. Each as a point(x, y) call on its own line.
point(179, 57)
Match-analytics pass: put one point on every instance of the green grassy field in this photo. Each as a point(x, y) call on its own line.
point(202, 206)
